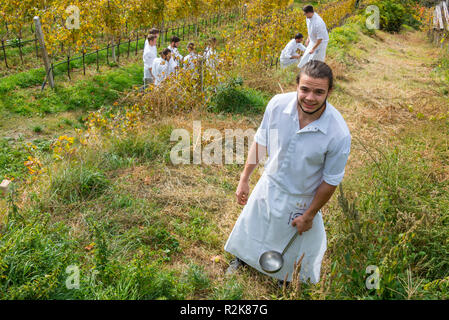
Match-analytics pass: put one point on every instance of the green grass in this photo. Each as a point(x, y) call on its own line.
point(78, 182)
point(231, 289)
point(197, 228)
point(12, 157)
point(90, 94)
point(400, 222)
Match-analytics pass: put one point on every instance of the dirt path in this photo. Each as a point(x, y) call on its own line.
point(391, 91)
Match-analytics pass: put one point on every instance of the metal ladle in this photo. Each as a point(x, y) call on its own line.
point(272, 261)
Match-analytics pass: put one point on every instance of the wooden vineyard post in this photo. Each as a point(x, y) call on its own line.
point(35, 46)
point(68, 67)
point(202, 74)
point(137, 42)
point(84, 65)
point(118, 52)
point(20, 51)
point(4, 53)
point(40, 37)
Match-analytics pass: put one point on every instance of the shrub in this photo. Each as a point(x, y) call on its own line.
point(394, 14)
point(231, 97)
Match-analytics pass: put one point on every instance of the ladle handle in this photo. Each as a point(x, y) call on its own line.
point(291, 241)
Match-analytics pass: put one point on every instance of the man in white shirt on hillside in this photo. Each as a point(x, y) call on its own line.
point(176, 57)
point(308, 144)
point(160, 66)
point(290, 54)
point(318, 38)
point(149, 54)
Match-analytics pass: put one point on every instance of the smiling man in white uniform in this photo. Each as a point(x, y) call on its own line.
point(308, 144)
point(318, 38)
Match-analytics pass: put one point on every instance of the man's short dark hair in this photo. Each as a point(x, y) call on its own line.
point(308, 9)
point(154, 31)
point(191, 45)
point(317, 69)
point(165, 51)
point(175, 39)
point(299, 36)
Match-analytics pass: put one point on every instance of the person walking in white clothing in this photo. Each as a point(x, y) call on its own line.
point(318, 37)
point(149, 54)
point(290, 54)
point(161, 66)
point(308, 144)
point(176, 57)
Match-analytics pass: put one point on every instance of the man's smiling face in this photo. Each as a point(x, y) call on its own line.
point(312, 93)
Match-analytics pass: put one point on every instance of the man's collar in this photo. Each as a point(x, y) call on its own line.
point(322, 123)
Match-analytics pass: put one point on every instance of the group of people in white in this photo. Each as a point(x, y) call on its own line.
point(316, 43)
point(157, 69)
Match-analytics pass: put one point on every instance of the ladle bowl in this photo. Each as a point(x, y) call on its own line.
point(273, 261)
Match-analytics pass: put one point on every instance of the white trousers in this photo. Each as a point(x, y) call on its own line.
point(318, 54)
point(287, 62)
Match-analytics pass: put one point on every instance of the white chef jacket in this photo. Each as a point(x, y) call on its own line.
point(174, 62)
point(315, 153)
point(298, 161)
point(316, 28)
point(291, 49)
point(210, 56)
point(191, 60)
point(149, 54)
point(160, 71)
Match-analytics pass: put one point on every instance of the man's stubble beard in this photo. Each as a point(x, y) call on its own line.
point(299, 104)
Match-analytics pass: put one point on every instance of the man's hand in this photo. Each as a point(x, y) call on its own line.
point(242, 192)
point(295, 57)
point(303, 223)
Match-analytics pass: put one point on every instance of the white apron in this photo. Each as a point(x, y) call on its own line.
point(265, 224)
point(319, 53)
